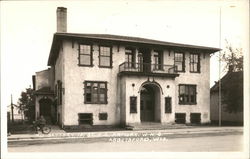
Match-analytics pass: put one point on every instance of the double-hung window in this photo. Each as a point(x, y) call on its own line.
point(187, 94)
point(95, 92)
point(85, 55)
point(105, 56)
point(194, 62)
point(158, 60)
point(130, 58)
point(179, 62)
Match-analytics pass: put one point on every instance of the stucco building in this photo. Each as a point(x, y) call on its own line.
point(102, 79)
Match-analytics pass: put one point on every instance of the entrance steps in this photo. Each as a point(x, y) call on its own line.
point(155, 126)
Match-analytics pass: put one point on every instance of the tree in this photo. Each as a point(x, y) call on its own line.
point(27, 104)
point(232, 57)
point(232, 87)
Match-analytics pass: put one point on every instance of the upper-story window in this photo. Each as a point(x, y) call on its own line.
point(85, 55)
point(158, 60)
point(105, 56)
point(187, 94)
point(179, 62)
point(95, 92)
point(194, 62)
point(129, 57)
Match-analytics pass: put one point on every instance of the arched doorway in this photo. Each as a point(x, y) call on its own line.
point(46, 109)
point(150, 103)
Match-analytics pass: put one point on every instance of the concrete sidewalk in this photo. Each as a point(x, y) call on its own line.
point(61, 134)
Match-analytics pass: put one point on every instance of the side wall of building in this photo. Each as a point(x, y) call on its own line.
point(75, 76)
point(201, 80)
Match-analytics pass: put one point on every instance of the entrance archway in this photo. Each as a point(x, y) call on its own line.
point(46, 109)
point(150, 103)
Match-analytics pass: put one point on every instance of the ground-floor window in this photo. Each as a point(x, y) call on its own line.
point(103, 116)
point(133, 104)
point(85, 118)
point(195, 118)
point(180, 118)
point(95, 92)
point(168, 105)
point(187, 94)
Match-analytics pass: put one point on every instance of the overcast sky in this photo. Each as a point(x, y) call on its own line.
point(27, 29)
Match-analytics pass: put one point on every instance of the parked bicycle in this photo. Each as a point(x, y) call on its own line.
point(40, 124)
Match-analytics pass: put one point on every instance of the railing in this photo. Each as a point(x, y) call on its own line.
point(146, 68)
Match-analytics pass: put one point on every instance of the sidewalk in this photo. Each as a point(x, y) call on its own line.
point(61, 134)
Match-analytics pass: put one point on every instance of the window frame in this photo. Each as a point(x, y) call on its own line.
point(187, 95)
point(103, 116)
point(131, 64)
point(133, 111)
point(168, 109)
point(91, 54)
point(158, 59)
point(59, 92)
point(111, 56)
point(98, 92)
point(182, 62)
point(191, 63)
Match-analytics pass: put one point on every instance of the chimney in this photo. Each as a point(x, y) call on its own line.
point(61, 13)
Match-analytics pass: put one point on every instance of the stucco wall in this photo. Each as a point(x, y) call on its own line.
point(59, 75)
point(120, 88)
point(201, 80)
point(74, 91)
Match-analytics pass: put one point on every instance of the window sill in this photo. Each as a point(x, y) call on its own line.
point(195, 72)
point(85, 65)
point(187, 103)
point(105, 66)
point(95, 103)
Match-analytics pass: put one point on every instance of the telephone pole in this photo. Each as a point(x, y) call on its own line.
point(12, 112)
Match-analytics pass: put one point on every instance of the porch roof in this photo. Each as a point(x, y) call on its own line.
point(117, 39)
point(44, 91)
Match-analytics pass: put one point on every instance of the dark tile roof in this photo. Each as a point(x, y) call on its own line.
point(119, 40)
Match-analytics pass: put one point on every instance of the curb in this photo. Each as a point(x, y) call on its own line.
point(124, 134)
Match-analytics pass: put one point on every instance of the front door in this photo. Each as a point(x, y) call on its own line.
point(147, 104)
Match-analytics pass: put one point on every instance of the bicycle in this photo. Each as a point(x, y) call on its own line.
point(44, 129)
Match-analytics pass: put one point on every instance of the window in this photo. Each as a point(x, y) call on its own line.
point(103, 116)
point(194, 63)
point(168, 105)
point(158, 60)
point(179, 62)
point(105, 56)
point(130, 58)
point(195, 118)
point(133, 104)
point(180, 118)
point(85, 118)
point(187, 94)
point(59, 92)
point(95, 92)
point(85, 55)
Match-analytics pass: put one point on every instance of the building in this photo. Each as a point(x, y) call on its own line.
point(231, 83)
point(102, 79)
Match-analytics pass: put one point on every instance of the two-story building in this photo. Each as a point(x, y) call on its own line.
point(102, 79)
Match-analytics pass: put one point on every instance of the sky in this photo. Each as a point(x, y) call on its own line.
point(27, 29)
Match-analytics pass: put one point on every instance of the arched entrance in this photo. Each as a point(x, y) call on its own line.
point(150, 103)
point(46, 109)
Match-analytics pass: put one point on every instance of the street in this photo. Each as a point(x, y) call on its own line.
point(207, 143)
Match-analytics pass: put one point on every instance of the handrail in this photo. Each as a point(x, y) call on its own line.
point(146, 67)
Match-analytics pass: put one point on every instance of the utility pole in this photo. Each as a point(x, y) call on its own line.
point(220, 74)
point(12, 112)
